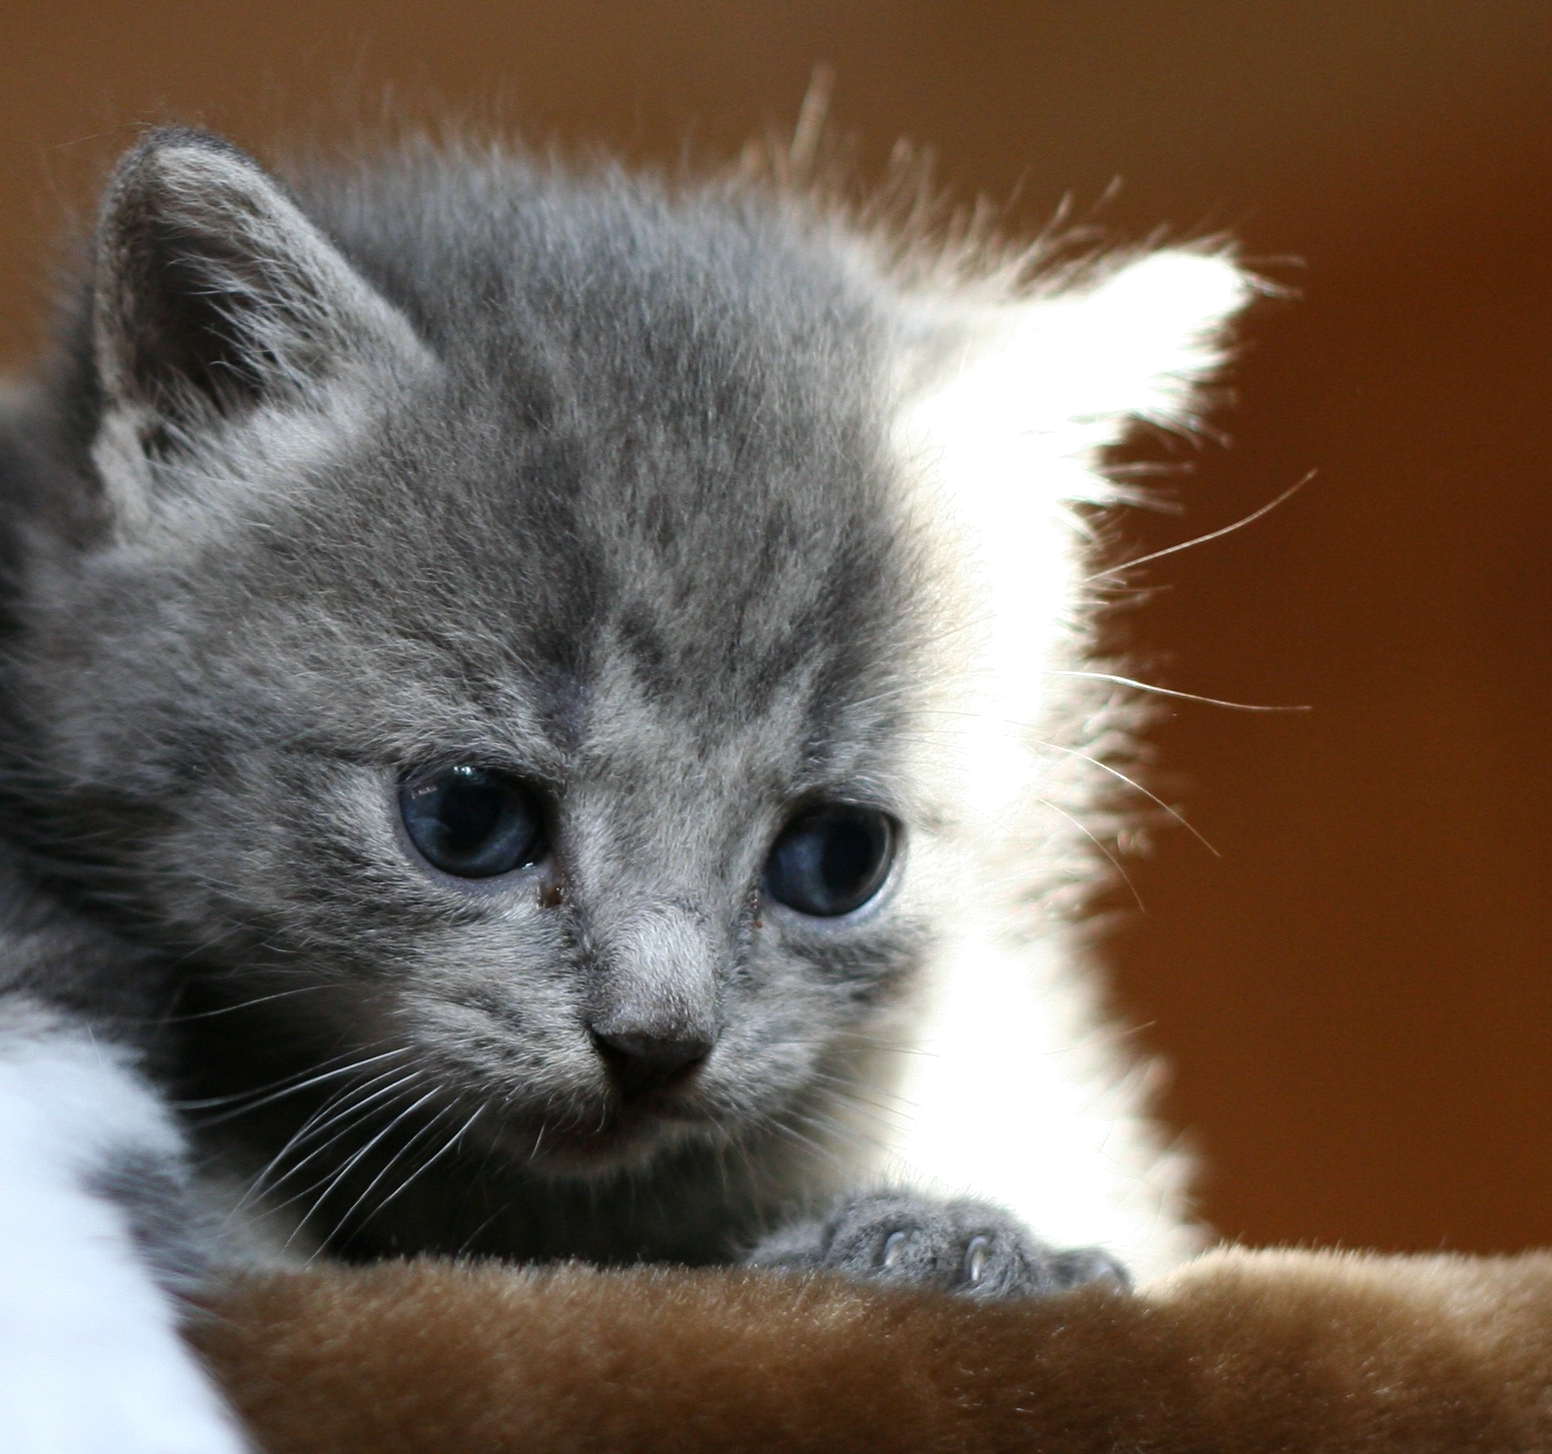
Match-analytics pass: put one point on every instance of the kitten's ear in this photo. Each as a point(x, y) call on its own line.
point(1049, 380)
point(214, 294)
point(1139, 342)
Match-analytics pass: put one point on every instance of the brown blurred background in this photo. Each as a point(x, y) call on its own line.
point(1358, 994)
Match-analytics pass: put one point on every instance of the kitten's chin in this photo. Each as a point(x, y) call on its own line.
point(621, 1137)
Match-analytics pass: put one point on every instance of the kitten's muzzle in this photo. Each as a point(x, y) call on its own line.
point(653, 1017)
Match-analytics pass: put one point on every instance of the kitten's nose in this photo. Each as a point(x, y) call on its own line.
point(653, 1016)
point(638, 1060)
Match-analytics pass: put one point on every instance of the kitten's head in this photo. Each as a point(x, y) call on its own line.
point(528, 622)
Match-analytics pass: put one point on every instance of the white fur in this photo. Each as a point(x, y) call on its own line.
point(1013, 1090)
point(90, 1358)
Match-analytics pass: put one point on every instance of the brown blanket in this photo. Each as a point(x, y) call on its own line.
point(1242, 1351)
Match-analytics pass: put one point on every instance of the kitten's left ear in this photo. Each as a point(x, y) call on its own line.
point(215, 295)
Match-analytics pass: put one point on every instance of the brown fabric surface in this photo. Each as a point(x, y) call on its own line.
point(1243, 1351)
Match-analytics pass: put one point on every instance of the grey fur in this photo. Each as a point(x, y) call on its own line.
point(176, 1242)
point(958, 1246)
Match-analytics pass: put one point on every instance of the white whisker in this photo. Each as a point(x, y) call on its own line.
point(1137, 787)
point(338, 1113)
point(343, 1219)
point(1094, 838)
point(355, 1158)
point(264, 1095)
point(426, 1165)
point(1249, 519)
point(1120, 681)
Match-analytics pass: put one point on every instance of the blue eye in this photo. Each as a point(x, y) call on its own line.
point(831, 861)
point(473, 822)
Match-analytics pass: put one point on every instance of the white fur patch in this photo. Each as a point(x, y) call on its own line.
point(1012, 1090)
point(90, 1358)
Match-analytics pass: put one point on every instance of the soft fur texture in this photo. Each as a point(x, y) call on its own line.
point(689, 515)
point(1240, 1352)
point(689, 507)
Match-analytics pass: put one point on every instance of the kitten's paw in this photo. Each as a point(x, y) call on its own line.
point(966, 1247)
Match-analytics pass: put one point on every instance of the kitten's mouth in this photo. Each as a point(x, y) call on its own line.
point(616, 1134)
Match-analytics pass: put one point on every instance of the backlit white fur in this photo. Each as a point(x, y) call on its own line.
point(90, 1359)
point(1013, 1089)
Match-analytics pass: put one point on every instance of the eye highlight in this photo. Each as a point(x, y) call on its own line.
point(473, 822)
point(831, 860)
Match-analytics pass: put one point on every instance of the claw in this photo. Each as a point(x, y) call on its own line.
point(976, 1257)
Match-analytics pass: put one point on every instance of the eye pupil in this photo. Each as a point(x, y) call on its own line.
point(473, 822)
point(831, 861)
point(469, 814)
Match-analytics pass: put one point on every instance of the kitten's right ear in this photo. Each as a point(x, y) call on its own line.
point(214, 295)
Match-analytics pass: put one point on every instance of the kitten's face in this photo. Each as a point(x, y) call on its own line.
point(495, 645)
point(530, 699)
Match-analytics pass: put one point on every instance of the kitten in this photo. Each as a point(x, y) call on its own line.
point(545, 716)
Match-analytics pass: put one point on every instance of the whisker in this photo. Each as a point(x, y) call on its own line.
point(1249, 519)
point(1120, 681)
point(430, 1161)
point(878, 1111)
point(819, 1121)
point(889, 1127)
point(183, 1019)
point(267, 1093)
point(354, 1159)
point(344, 1218)
point(775, 1123)
point(337, 1108)
point(1095, 839)
point(346, 1116)
point(474, 1236)
point(340, 1111)
point(1137, 787)
point(876, 1041)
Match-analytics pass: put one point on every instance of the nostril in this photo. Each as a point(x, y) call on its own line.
point(659, 1050)
point(640, 1061)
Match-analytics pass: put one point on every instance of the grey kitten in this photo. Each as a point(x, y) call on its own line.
point(547, 716)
